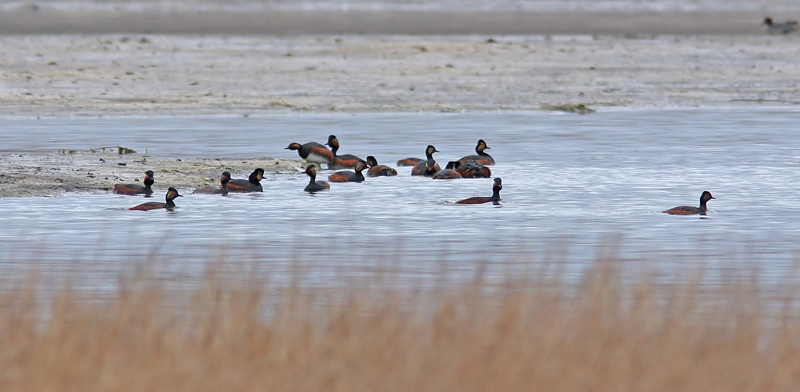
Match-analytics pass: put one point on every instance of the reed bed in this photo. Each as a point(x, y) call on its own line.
point(234, 332)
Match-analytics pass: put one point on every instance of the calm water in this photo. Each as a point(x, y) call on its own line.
point(584, 184)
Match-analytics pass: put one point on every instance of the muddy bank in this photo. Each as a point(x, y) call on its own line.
point(100, 75)
point(52, 174)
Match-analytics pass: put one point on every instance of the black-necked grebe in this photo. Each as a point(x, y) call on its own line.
point(341, 161)
point(136, 189)
point(450, 172)
point(409, 161)
point(495, 198)
point(313, 184)
point(349, 176)
point(172, 193)
point(251, 184)
point(689, 210)
point(427, 167)
point(376, 170)
point(780, 28)
point(313, 152)
point(481, 157)
point(473, 169)
point(223, 188)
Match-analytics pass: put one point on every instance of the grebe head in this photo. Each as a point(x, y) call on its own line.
point(294, 146)
point(452, 165)
point(371, 161)
point(257, 175)
point(149, 179)
point(481, 146)
point(430, 150)
point(172, 193)
point(333, 142)
point(311, 170)
point(705, 197)
point(768, 21)
point(225, 177)
point(498, 183)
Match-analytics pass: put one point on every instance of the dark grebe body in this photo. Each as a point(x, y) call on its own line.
point(313, 185)
point(428, 167)
point(136, 189)
point(494, 198)
point(780, 28)
point(376, 170)
point(349, 176)
point(689, 210)
point(172, 193)
point(409, 161)
point(313, 152)
point(251, 184)
point(341, 161)
point(223, 188)
point(450, 172)
point(473, 169)
point(481, 157)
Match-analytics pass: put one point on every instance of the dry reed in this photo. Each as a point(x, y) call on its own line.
point(602, 334)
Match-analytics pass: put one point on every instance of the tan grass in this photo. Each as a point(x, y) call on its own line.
point(529, 334)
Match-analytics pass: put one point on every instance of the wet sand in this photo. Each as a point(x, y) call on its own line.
point(163, 74)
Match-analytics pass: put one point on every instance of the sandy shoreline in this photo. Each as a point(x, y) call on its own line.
point(100, 75)
point(165, 75)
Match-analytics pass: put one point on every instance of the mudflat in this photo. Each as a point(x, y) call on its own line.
point(121, 74)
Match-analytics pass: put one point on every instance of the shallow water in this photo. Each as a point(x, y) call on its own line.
point(576, 184)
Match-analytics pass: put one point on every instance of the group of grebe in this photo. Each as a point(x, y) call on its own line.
point(470, 166)
point(252, 184)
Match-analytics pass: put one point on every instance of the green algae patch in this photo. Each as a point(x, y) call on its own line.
point(569, 107)
point(104, 150)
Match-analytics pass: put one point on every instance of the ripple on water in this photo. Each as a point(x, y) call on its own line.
point(573, 182)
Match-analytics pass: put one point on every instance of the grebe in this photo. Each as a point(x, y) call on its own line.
point(689, 210)
point(341, 161)
point(495, 198)
point(481, 157)
point(313, 152)
point(427, 167)
point(376, 170)
point(136, 189)
point(450, 172)
point(251, 184)
point(349, 176)
point(172, 193)
point(409, 161)
point(780, 28)
point(473, 169)
point(223, 188)
point(313, 185)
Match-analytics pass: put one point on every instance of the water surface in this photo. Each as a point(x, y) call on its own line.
point(573, 184)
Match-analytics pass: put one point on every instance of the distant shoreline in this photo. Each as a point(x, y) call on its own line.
point(40, 20)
